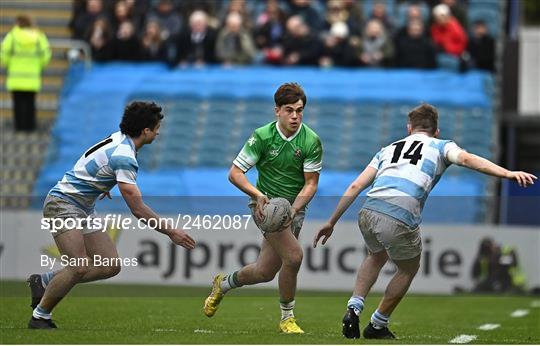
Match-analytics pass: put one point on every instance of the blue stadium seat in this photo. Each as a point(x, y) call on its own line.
point(448, 62)
point(490, 16)
point(367, 6)
point(354, 117)
point(402, 13)
point(492, 4)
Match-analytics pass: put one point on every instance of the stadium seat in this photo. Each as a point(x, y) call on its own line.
point(402, 13)
point(491, 16)
point(448, 61)
point(367, 6)
point(491, 4)
point(355, 115)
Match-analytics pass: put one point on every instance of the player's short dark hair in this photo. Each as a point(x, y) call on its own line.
point(289, 93)
point(424, 118)
point(139, 115)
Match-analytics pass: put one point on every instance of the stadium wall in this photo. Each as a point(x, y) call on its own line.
point(449, 252)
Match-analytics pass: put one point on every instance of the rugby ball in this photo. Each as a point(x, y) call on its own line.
point(276, 214)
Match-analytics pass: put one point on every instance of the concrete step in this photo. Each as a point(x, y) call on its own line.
point(43, 125)
point(50, 31)
point(8, 202)
point(16, 149)
point(50, 82)
point(52, 78)
point(31, 4)
point(41, 22)
point(49, 70)
point(58, 64)
point(17, 162)
point(17, 175)
point(42, 96)
point(22, 189)
point(37, 13)
point(21, 138)
point(45, 114)
point(54, 71)
point(45, 101)
point(44, 89)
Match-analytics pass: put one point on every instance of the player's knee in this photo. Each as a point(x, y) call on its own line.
point(294, 258)
point(79, 271)
point(379, 258)
point(110, 271)
point(409, 267)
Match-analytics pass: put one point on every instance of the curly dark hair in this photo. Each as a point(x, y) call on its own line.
point(138, 116)
point(289, 93)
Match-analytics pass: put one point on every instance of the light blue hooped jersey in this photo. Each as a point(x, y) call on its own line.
point(407, 171)
point(98, 170)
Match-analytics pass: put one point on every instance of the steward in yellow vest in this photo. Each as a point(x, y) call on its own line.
point(24, 52)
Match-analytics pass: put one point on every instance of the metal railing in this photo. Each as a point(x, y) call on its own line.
point(70, 44)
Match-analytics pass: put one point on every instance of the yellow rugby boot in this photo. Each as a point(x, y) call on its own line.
point(211, 303)
point(289, 326)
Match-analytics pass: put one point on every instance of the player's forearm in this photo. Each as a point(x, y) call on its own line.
point(345, 201)
point(482, 165)
point(364, 180)
point(239, 180)
point(145, 213)
point(304, 196)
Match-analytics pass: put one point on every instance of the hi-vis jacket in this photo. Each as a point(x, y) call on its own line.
point(24, 52)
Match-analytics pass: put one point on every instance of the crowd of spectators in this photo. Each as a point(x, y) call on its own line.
point(282, 32)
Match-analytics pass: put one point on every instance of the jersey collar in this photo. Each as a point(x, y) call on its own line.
point(420, 133)
point(130, 141)
point(291, 137)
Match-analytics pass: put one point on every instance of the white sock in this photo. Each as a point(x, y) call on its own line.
point(230, 281)
point(378, 320)
point(287, 310)
point(39, 312)
point(356, 303)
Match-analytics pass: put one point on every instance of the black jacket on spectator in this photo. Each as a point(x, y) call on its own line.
point(482, 52)
point(159, 53)
point(186, 7)
point(341, 54)
point(190, 50)
point(77, 10)
point(127, 49)
point(310, 16)
point(82, 23)
point(414, 52)
point(103, 53)
point(270, 34)
point(309, 48)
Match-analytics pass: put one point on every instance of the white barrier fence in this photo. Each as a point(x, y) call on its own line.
point(449, 252)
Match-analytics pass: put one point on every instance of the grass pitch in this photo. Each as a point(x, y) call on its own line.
point(136, 314)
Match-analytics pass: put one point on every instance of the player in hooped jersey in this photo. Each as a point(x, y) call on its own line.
point(109, 162)
point(401, 176)
point(288, 157)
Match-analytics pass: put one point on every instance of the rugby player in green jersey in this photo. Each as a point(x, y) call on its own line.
point(288, 157)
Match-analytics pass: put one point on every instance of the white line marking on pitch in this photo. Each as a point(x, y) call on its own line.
point(204, 331)
point(535, 304)
point(463, 339)
point(489, 326)
point(519, 313)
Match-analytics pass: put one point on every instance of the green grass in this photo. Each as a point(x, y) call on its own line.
point(137, 314)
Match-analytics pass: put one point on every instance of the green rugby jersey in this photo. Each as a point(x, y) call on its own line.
point(281, 161)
